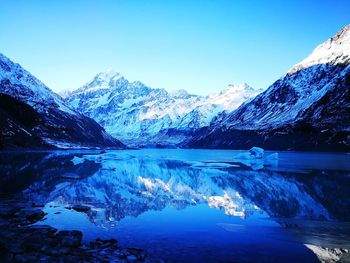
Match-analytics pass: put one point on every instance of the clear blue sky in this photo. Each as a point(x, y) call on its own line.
point(200, 46)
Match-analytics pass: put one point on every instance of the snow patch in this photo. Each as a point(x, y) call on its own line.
point(327, 255)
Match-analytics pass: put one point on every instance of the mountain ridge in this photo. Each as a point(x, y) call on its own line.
point(55, 124)
point(295, 112)
point(140, 115)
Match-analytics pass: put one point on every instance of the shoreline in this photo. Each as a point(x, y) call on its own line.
point(21, 241)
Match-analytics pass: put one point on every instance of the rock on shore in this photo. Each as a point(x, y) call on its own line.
point(21, 241)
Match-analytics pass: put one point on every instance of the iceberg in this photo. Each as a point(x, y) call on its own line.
point(255, 159)
point(253, 153)
point(257, 152)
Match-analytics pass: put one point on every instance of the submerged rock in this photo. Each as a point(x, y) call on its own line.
point(22, 242)
point(37, 205)
point(35, 215)
point(81, 208)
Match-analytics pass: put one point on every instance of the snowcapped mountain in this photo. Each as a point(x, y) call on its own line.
point(334, 51)
point(34, 116)
point(138, 114)
point(308, 108)
point(25, 87)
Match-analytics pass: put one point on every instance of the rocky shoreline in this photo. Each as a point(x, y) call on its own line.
point(21, 241)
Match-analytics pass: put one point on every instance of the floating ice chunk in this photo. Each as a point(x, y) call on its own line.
point(253, 153)
point(257, 152)
point(77, 160)
point(255, 158)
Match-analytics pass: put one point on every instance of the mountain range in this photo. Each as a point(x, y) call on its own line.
point(306, 109)
point(139, 115)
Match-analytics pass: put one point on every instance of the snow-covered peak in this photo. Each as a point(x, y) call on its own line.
point(65, 93)
point(179, 93)
point(233, 96)
point(237, 88)
point(134, 112)
point(288, 99)
point(27, 88)
point(109, 75)
point(17, 75)
point(335, 50)
point(103, 81)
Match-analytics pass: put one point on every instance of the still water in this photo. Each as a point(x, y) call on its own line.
point(191, 205)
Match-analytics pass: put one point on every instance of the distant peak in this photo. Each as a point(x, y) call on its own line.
point(108, 75)
point(106, 78)
point(178, 93)
point(101, 81)
point(239, 87)
point(65, 93)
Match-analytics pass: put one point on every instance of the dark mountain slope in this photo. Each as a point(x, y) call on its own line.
point(307, 109)
point(34, 116)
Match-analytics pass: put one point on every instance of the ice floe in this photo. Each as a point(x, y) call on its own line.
point(256, 159)
point(77, 160)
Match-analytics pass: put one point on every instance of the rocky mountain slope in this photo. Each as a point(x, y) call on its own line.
point(139, 115)
point(34, 116)
point(307, 109)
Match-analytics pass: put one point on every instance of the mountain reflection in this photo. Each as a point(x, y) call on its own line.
point(116, 185)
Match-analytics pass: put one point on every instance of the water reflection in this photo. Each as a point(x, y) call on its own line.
point(120, 185)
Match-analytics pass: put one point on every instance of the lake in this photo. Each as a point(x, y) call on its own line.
point(191, 205)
